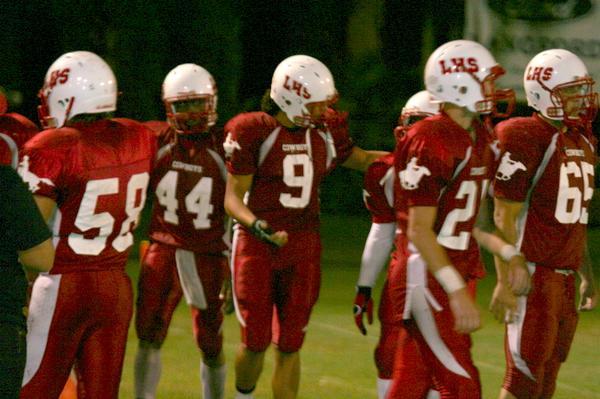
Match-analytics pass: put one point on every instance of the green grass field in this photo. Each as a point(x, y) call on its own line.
point(337, 362)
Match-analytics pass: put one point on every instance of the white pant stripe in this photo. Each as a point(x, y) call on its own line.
point(192, 288)
point(421, 301)
point(41, 311)
point(514, 332)
point(236, 234)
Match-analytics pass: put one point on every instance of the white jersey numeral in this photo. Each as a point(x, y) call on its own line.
point(569, 203)
point(196, 202)
point(137, 185)
point(87, 219)
point(447, 236)
point(291, 179)
point(165, 194)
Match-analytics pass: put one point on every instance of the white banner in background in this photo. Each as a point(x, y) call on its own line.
point(514, 31)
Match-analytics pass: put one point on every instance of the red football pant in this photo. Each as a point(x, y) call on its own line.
point(159, 293)
point(275, 288)
point(443, 353)
point(391, 322)
point(78, 318)
point(538, 342)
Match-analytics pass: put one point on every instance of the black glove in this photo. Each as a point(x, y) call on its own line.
point(363, 303)
point(261, 229)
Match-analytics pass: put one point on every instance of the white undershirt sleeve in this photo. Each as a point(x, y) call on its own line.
point(376, 252)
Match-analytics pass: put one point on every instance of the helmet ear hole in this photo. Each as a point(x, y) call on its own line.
point(463, 90)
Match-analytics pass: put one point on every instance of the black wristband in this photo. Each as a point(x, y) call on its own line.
point(364, 290)
point(264, 233)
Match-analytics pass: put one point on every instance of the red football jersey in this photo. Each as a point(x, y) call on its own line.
point(97, 173)
point(288, 166)
point(378, 193)
point(15, 130)
point(553, 174)
point(439, 165)
point(188, 186)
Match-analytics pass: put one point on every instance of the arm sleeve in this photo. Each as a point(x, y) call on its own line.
point(519, 159)
point(26, 223)
point(41, 170)
point(374, 192)
point(242, 145)
point(376, 252)
point(428, 171)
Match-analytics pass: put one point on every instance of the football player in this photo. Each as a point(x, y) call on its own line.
point(444, 164)
point(277, 160)
point(543, 189)
point(92, 171)
point(378, 195)
point(186, 256)
point(15, 130)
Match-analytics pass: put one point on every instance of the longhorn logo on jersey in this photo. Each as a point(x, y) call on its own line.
point(459, 64)
point(299, 88)
point(412, 175)
point(31, 178)
point(508, 167)
point(230, 145)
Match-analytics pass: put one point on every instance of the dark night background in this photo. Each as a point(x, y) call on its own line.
point(375, 49)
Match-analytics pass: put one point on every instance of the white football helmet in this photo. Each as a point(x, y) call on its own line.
point(463, 72)
point(557, 84)
point(76, 83)
point(190, 83)
point(419, 106)
point(299, 80)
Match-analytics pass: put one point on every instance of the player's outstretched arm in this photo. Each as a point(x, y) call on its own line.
point(237, 187)
point(360, 159)
point(420, 231)
point(375, 255)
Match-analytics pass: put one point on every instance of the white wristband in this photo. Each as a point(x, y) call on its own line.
point(449, 279)
point(508, 251)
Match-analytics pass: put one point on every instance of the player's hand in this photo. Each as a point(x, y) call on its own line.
point(503, 304)
point(465, 312)
point(588, 296)
point(144, 245)
point(226, 295)
point(518, 277)
point(261, 229)
point(363, 303)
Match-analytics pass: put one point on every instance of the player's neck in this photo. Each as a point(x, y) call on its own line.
point(463, 117)
point(284, 120)
point(558, 124)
